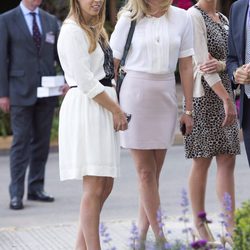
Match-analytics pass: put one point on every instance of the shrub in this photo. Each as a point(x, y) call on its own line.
point(5, 128)
point(242, 230)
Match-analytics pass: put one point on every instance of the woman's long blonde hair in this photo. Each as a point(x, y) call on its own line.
point(95, 31)
point(140, 8)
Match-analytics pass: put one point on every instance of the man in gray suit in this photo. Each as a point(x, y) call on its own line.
point(27, 52)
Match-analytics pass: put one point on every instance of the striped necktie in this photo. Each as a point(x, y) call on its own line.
point(36, 32)
point(247, 53)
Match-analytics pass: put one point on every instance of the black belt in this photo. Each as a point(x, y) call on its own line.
point(104, 81)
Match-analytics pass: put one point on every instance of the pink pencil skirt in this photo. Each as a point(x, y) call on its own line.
point(151, 100)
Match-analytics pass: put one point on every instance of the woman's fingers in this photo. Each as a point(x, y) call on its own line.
point(120, 121)
point(209, 67)
point(230, 114)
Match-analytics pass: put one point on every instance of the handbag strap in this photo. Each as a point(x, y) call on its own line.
point(128, 42)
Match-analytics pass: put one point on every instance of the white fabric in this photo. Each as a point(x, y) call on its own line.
point(200, 53)
point(157, 42)
point(80, 68)
point(88, 144)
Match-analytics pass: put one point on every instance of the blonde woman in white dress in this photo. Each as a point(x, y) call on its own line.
point(90, 116)
point(162, 36)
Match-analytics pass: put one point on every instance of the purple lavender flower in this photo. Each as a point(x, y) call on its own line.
point(184, 217)
point(106, 236)
point(160, 220)
point(134, 238)
point(184, 198)
point(227, 202)
point(198, 244)
point(203, 216)
point(168, 245)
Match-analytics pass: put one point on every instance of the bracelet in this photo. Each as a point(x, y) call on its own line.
point(222, 66)
point(189, 113)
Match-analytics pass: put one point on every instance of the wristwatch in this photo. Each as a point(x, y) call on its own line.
point(188, 112)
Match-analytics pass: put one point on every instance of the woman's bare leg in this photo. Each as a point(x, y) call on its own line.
point(148, 175)
point(108, 185)
point(225, 184)
point(197, 190)
point(107, 189)
point(91, 204)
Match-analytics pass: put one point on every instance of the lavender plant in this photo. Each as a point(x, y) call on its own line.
point(227, 204)
point(134, 240)
point(184, 217)
point(106, 239)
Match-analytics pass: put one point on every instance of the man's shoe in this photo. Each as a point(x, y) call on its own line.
point(16, 203)
point(40, 196)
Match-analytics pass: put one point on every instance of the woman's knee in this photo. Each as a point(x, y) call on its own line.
point(226, 160)
point(94, 187)
point(108, 186)
point(146, 176)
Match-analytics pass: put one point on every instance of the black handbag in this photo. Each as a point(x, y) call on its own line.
point(121, 73)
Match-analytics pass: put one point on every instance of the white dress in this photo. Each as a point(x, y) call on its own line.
point(88, 144)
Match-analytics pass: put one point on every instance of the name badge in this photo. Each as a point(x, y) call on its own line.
point(50, 38)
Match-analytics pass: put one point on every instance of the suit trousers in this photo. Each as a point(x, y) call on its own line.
point(246, 126)
point(31, 126)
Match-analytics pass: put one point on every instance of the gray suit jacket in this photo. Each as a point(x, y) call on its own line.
point(21, 66)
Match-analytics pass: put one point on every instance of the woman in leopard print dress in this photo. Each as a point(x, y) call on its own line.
point(215, 132)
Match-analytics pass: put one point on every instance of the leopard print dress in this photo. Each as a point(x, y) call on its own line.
point(208, 137)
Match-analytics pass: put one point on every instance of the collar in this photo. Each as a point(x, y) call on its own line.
point(26, 11)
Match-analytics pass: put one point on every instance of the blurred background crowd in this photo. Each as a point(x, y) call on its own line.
point(60, 7)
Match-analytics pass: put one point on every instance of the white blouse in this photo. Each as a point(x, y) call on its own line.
point(157, 42)
point(80, 68)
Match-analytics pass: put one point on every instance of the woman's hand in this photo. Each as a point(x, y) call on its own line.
point(212, 65)
point(230, 112)
point(64, 89)
point(189, 123)
point(5, 104)
point(119, 117)
point(120, 121)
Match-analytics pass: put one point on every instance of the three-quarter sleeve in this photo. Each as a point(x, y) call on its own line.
point(119, 35)
point(186, 48)
point(75, 59)
point(200, 52)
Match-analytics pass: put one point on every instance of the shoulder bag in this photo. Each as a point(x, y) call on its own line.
point(121, 72)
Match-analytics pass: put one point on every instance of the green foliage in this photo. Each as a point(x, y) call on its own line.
point(242, 231)
point(109, 28)
point(5, 128)
point(55, 124)
point(59, 8)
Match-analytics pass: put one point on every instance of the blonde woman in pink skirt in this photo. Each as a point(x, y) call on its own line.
point(162, 37)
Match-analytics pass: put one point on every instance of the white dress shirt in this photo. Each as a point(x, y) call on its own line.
point(29, 18)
